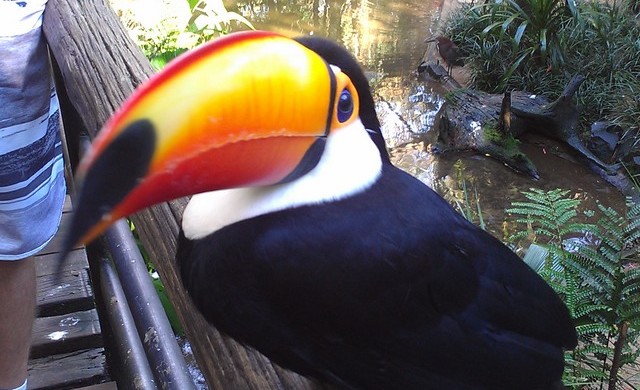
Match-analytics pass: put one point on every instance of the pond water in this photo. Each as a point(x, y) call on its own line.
point(387, 37)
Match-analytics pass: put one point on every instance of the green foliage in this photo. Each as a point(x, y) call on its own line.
point(210, 19)
point(521, 32)
point(508, 142)
point(538, 45)
point(188, 23)
point(172, 315)
point(462, 193)
point(469, 206)
point(606, 49)
point(549, 214)
point(491, 133)
point(598, 278)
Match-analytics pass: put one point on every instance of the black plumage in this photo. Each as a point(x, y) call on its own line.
point(388, 288)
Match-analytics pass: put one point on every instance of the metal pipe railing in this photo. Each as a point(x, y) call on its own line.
point(132, 363)
point(165, 357)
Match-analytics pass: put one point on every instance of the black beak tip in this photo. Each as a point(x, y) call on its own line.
point(112, 176)
point(61, 258)
point(70, 239)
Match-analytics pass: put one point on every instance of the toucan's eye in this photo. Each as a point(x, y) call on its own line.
point(345, 106)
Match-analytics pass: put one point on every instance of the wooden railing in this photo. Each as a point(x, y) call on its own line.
point(100, 67)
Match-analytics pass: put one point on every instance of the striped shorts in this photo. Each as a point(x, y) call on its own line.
point(32, 187)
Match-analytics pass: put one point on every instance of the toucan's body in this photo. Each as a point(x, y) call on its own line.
point(324, 256)
point(364, 291)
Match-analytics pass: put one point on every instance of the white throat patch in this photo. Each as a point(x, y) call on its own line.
point(349, 164)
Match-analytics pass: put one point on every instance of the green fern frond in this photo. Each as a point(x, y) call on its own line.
point(587, 310)
point(630, 358)
point(593, 329)
point(631, 278)
point(593, 262)
point(545, 232)
point(599, 278)
point(572, 228)
point(599, 349)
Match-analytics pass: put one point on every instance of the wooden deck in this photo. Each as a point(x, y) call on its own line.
point(67, 347)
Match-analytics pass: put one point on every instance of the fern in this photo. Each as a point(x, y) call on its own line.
point(551, 213)
point(600, 283)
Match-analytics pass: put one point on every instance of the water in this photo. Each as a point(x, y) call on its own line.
point(387, 37)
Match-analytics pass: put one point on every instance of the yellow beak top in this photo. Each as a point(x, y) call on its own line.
point(248, 109)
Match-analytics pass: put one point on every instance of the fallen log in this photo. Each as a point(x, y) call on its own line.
point(470, 120)
point(475, 120)
point(559, 120)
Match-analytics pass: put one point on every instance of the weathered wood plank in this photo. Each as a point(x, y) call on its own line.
point(65, 333)
point(46, 265)
point(101, 386)
point(70, 370)
point(64, 342)
point(101, 66)
point(65, 294)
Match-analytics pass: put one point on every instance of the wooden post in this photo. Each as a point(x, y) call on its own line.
point(101, 66)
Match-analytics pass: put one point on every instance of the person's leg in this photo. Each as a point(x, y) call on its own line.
point(17, 310)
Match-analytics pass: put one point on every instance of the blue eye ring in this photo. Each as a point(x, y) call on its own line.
point(345, 106)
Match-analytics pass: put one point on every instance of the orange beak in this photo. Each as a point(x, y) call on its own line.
point(249, 109)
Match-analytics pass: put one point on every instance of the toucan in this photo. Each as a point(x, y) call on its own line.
point(303, 241)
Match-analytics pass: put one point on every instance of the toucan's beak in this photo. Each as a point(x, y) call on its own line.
point(249, 109)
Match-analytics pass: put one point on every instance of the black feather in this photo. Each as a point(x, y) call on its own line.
point(387, 289)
